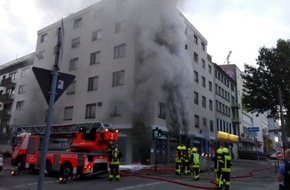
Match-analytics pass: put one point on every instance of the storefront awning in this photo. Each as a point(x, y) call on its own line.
point(226, 136)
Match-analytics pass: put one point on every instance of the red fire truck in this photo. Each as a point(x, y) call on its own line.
point(73, 149)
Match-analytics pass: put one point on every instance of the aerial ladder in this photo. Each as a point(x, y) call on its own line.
point(228, 58)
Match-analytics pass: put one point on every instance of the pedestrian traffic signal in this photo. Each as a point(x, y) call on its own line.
point(159, 133)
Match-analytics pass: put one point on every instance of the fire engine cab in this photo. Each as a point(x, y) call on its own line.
point(77, 149)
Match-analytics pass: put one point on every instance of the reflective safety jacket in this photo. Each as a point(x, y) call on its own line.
point(227, 163)
point(195, 161)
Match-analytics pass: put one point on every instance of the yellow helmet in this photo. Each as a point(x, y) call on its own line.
point(219, 151)
point(194, 149)
point(225, 150)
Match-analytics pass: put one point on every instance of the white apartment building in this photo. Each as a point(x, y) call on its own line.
point(138, 73)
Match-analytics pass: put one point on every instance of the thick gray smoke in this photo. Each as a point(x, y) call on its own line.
point(164, 69)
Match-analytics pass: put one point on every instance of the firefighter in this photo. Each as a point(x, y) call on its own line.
point(178, 159)
point(217, 167)
point(226, 167)
point(284, 172)
point(195, 163)
point(186, 162)
point(114, 157)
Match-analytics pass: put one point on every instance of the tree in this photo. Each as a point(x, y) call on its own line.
point(261, 83)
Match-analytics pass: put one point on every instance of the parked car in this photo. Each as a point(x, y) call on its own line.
point(279, 155)
point(1, 162)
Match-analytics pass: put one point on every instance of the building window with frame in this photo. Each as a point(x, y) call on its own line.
point(210, 86)
point(203, 63)
point(118, 78)
point(98, 14)
point(12, 76)
point(21, 89)
point(196, 76)
point(162, 111)
point(43, 37)
point(68, 113)
point(71, 89)
point(90, 111)
point(24, 72)
point(196, 121)
point(77, 23)
point(116, 111)
point(202, 46)
point(75, 42)
point(195, 39)
point(73, 65)
point(196, 98)
point(93, 83)
point(119, 51)
point(203, 101)
point(210, 105)
point(97, 35)
point(95, 58)
point(203, 81)
point(211, 125)
point(204, 123)
point(19, 105)
point(209, 69)
point(195, 57)
point(120, 26)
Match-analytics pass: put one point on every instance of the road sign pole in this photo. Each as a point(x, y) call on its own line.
point(49, 113)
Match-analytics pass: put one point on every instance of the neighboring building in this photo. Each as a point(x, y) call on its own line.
point(135, 77)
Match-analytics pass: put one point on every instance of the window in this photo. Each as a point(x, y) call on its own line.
point(68, 113)
point(19, 105)
point(195, 57)
point(203, 81)
point(76, 42)
point(97, 35)
point(93, 83)
point(90, 111)
point(119, 51)
point(196, 98)
point(195, 39)
point(209, 69)
point(43, 38)
point(162, 111)
point(210, 86)
point(203, 63)
point(202, 46)
point(196, 121)
point(203, 102)
point(204, 123)
point(12, 76)
point(39, 55)
point(120, 26)
point(196, 76)
point(211, 125)
point(210, 105)
point(24, 72)
point(95, 58)
point(77, 23)
point(71, 89)
point(21, 89)
point(73, 65)
point(185, 46)
point(118, 78)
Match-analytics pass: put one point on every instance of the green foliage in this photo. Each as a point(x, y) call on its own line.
point(261, 83)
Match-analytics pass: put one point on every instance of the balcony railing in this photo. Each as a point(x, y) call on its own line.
point(236, 120)
point(236, 105)
point(7, 82)
point(6, 98)
point(4, 114)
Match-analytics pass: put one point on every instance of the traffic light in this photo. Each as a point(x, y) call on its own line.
point(159, 133)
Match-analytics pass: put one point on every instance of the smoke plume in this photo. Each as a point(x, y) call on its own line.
point(164, 69)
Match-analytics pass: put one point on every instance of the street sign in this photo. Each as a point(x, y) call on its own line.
point(253, 129)
point(44, 76)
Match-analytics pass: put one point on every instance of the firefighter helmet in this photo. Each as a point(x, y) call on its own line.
point(219, 151)
point(194, 149)
point(225, 150)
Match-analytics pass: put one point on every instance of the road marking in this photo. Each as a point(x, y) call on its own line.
point(136, 186)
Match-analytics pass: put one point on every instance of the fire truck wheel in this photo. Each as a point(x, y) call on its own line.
point(21, 163)
point(66, 170)
point(48, 168)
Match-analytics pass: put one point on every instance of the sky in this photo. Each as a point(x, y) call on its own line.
point(240, 26)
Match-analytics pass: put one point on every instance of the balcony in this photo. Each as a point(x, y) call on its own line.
point(236, 105)
point(236, 120)
point(7, 82)
point(6, 98)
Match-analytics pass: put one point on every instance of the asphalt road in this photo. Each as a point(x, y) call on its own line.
point(246, 174)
